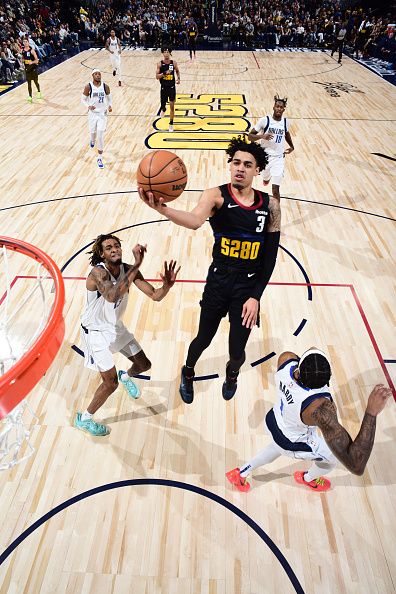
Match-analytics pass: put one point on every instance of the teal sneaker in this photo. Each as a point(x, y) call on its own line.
point(91, 426)
point(130, 386)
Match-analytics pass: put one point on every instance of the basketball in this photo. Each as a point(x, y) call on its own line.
point(163, 173)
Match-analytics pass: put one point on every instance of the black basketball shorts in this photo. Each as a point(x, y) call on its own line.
point(168, 94)
point(226, 290)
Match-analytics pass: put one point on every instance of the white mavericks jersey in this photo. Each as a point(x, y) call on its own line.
point(278, 129)
point(98, 98)
point(284, 419)
point(113, 45)
point(102, 315)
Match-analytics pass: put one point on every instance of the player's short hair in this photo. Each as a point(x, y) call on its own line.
point(166, 48)
point(97, 249)
point(314, 368)
point(240, 143)
point(280, 99)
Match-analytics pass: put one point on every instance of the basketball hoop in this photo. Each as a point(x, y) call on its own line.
point(25, 359)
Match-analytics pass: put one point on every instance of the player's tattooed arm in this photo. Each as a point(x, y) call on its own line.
point(275, 216)
point(353, 454)
point(99, 279)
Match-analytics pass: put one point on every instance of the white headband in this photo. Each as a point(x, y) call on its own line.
point(311, 352)
point(96, 70)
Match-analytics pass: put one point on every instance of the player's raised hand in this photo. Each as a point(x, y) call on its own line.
point(149, 199)
point(170, 273)
point(378, 399)
point(138, 252)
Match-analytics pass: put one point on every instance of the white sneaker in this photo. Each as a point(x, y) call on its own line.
point(100, 163)
point(170, 129)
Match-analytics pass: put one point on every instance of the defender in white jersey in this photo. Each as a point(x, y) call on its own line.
point(97, 98)
point(102, 329)
point(113, 46)
point(272, 131)
point(305, 403)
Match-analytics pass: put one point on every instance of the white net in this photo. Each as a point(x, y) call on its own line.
point(15, 433)
point(24, 308)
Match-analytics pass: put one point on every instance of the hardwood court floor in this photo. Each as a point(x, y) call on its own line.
point(338, 232)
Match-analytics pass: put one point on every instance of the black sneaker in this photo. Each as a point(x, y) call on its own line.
point(186, 387)
point(230, 385)
point(114, 72)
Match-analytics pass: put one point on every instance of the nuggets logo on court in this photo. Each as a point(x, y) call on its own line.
point(333, 88)
point(206, 121)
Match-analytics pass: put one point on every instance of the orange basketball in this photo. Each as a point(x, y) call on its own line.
point(163, 173)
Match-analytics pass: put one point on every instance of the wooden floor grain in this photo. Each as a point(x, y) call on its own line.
point(338, 226)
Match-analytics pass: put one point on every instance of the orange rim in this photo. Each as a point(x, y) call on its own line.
point(17, 382)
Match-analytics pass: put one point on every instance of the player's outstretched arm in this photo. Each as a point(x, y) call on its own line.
point(168, 278)
point(353, 454)
point(192, 220)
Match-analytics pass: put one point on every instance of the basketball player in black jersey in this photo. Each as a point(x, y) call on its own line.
point(166, 70)
point(192, 36)
point(246, 228)
point(30, 61)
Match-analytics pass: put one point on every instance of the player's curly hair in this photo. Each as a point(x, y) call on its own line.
point(166, 48)
point(315, 371)
point(240, 143)
point(97, 249)
point(281, 99)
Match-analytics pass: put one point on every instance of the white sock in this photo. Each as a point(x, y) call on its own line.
point(316, 471)
point(86, 416)
point(267, 455)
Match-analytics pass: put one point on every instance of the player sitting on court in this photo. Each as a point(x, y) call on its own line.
point(102, 330)
point(305, 403)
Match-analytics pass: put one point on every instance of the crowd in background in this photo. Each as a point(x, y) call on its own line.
point(54, 27)
point(48, 33)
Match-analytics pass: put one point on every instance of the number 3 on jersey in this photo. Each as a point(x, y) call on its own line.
point(234, 248)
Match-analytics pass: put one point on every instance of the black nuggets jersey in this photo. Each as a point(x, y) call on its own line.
point(239, 231)
point(168, 80)
point(27, 56)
